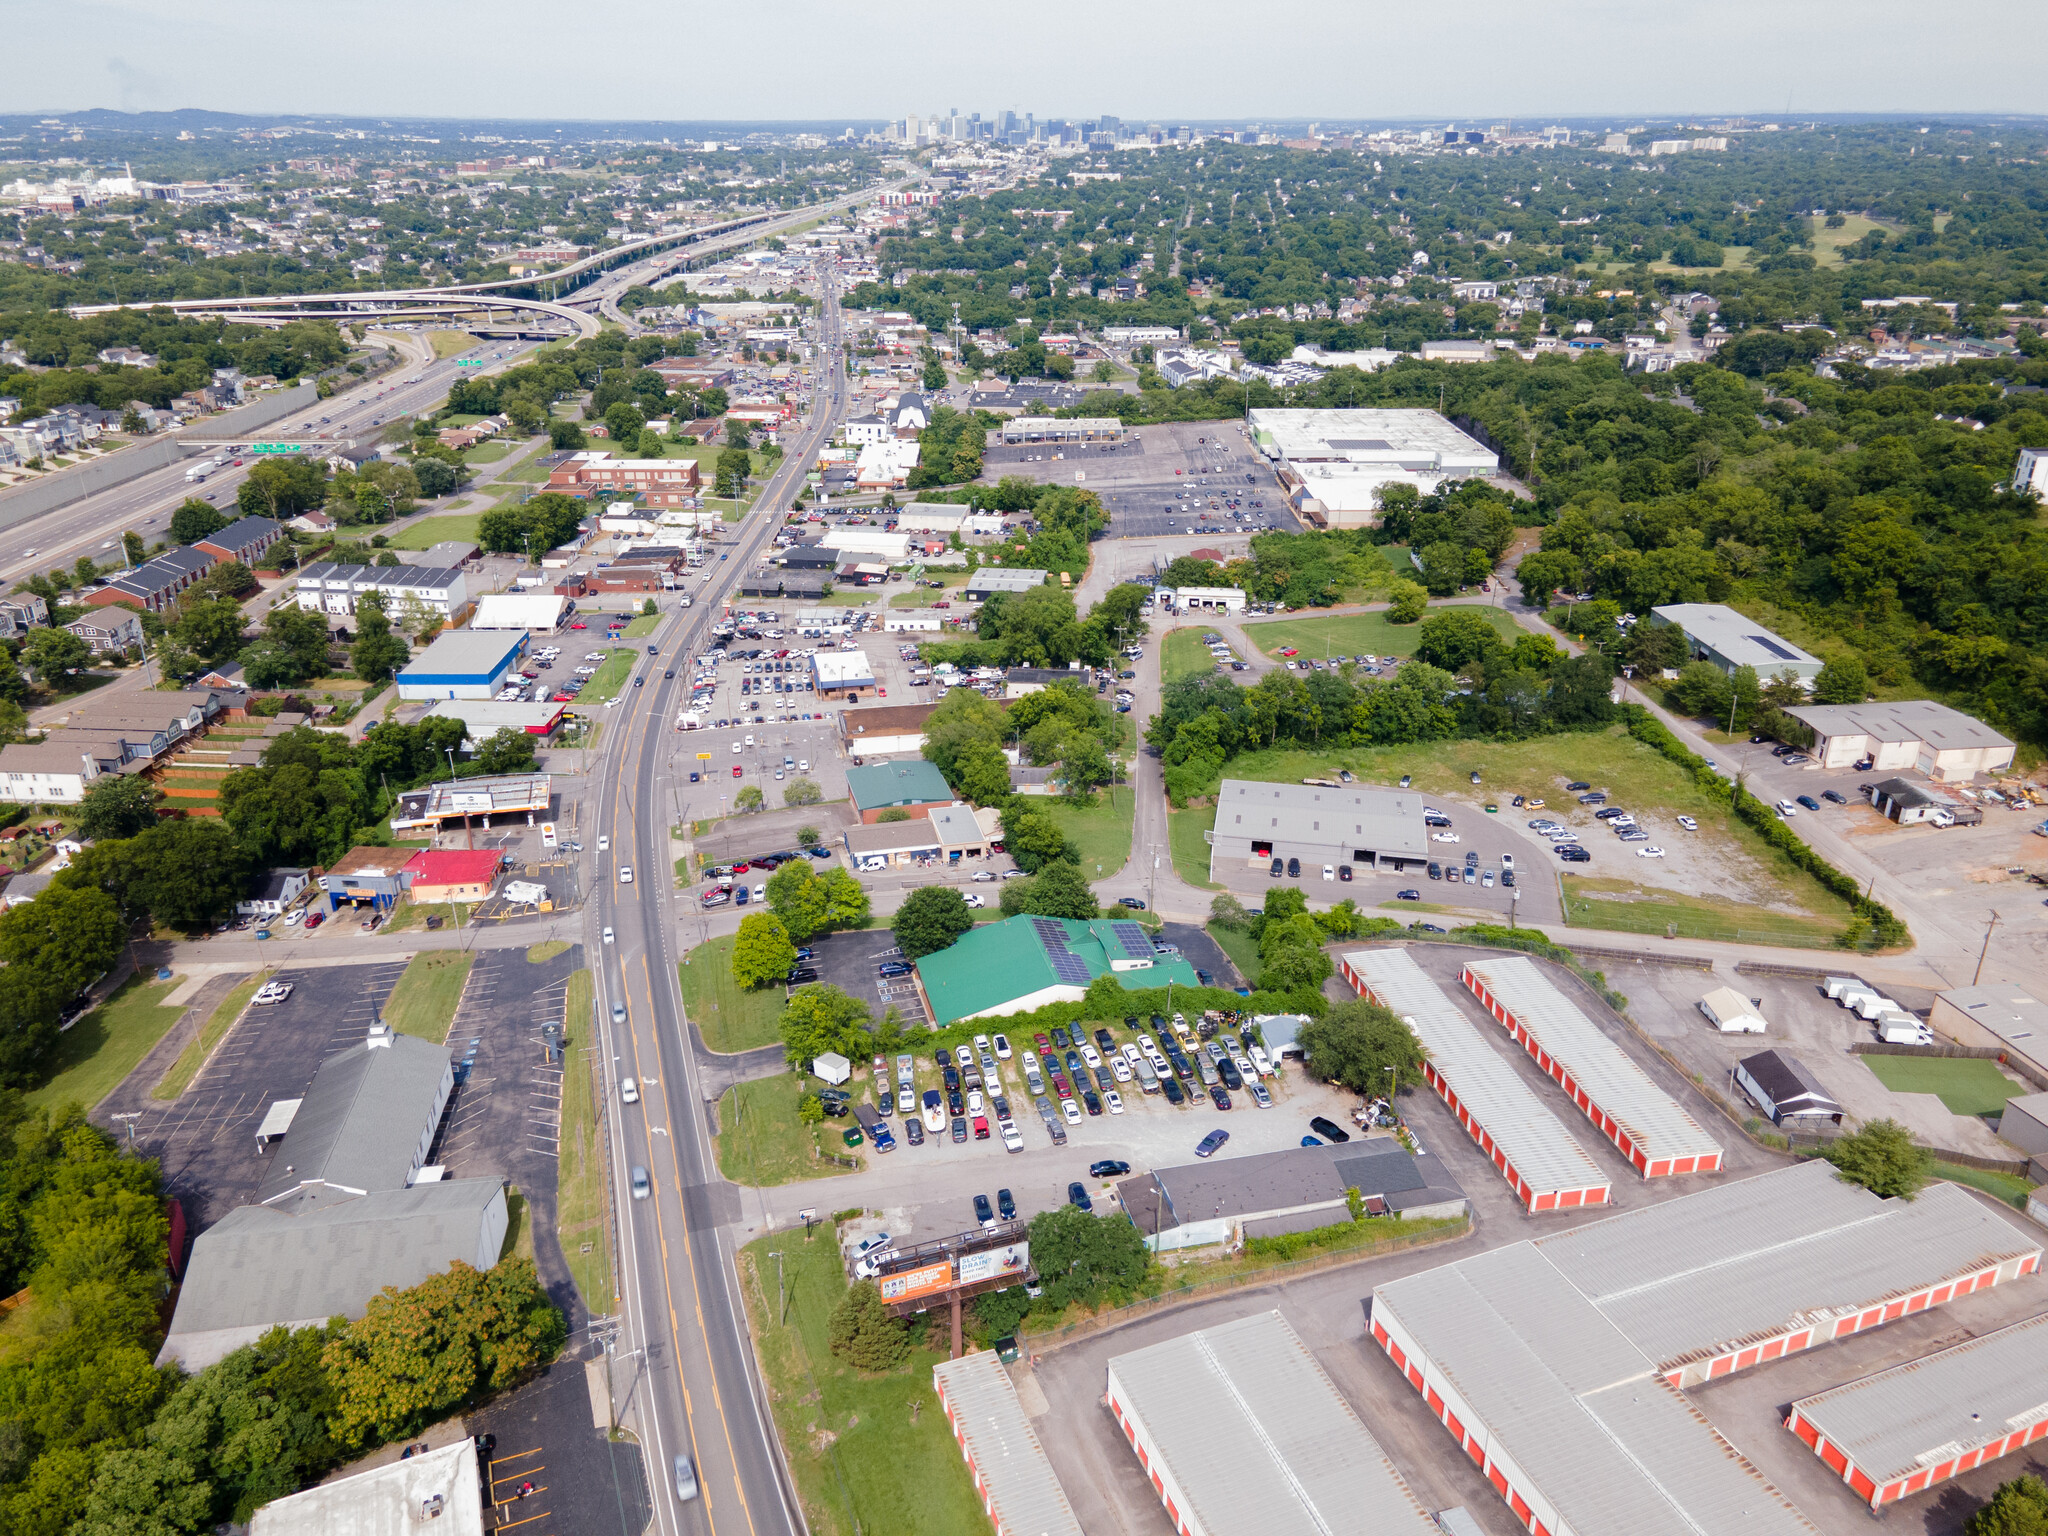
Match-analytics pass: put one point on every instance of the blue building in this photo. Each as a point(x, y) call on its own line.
point(462, 664)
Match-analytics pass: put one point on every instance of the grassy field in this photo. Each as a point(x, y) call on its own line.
point(869, 1453)
point(1185, 655)
point(729, 1017)
point(761, 1142)
point(1184, 831)
point(433, 530)
point(1967, 1085)
point(2000, 1186)
point(579, 1179)
point(1237, 944)
point(1632, 773)
point(642, 625)
point(1828, 243)
point(546, 950)
point(93, 1055)
point(193, 1057)
point(1360, 634)
point(413, 914)
point(528, 472)
point(423, 1002)
point(609, 681)
point(1627, 907)
point(1101, 831)
point(450, 343)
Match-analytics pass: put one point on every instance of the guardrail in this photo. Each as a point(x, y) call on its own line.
point(1793, 972)
point(1643, 957)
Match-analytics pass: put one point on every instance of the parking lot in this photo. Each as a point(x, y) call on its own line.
point(1172, 479)
point(548, 1441)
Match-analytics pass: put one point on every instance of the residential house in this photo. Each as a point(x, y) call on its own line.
point(155, 584)
point(245, 540)
point(108, 632)
point(275, 890)
point(324, 587)
point(20, 612)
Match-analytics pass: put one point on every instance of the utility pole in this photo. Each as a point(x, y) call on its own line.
point(1979, 976)
point(781, 1293)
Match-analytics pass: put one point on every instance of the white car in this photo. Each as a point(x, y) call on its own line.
point(1688, 823)
point(983, 874)
point(629, 1091)
point(626, 878)
point(1329, 871)
point(607, 935)
point(604, 841)
point(1090, 1055)
point(1649, 853)
point(1002, 1047)
point(964, 1055)
point(1120, 1068)
point(1787, 809)
point(273, 992)
point(1443, 837)
point(1113, 1101)
point(1507, 861)
point(735, 749)
point(750, 742)
point(1030, 1060)
point(975, 1105)
point(803, 765)
point(1262, 1061)
point(973, 899)
point(760, 891)
point(1071, 1110)
point(293, 918)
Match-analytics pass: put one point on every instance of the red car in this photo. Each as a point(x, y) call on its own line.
point(1290, 651)
point(579, 624)
point(316, 919)
point(735, 770)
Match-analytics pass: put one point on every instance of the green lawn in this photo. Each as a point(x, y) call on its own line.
point(2010, 1188)
point(1185, 655)
point(450, 343)
point(1360, 634)
point(529, 472)
point(423, 1002)
point(1828, 243)
point(546, 950)
point(1237, 944)
point(489, 452)
point(609, 681)
point(641, 626)
point(1102, 831)
point(193, 1057)
point(1184, 831)
point(1968, 1085)
point(1628, 907)
point(434, 530)
point(761, 1142)
point(93, 1055)
point(1633, 774)
point(869, 1453)
point(579, 1178)
point(729, 1017)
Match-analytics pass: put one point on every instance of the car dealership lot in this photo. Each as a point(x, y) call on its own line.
point(1160, 480)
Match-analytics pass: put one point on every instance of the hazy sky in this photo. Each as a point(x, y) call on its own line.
point(1188, 59)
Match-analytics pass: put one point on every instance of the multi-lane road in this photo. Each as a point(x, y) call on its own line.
point(683, 1330)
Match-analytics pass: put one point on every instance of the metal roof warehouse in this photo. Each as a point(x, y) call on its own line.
point(1652, 1131)
point(1892, 1434)
point(1319, 824)
point(1016, 1482)
point(1558, 1364)
point(1529, 1145)
point(1241, 1430)
point(1023, 963)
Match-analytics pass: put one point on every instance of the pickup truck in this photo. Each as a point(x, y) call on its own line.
point(878, 1132)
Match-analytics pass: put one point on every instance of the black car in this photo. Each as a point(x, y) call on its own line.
point(1060, 1037)
point(1077, 1194)
point(801, 975)
point(959, 1129)
point(1407, 895)
point(943, 1057)
point(1328, 1129)
point(1171, 1089)
point(1181, 1064)
point(1576, 785)
point(1472, 857)
point(1108, 1168)
point(1090, 1102)
point(1436, 870)
point(1507, 878)
point(951, 1074)
point(1218, 1097)
point(1006, 1205)
point(1575, 855)
point(1132, 902)
point(913, 1131)
point(955, 1105)
point(1279, 868)
point(1834, 797)
point(1294, 869)
point(1204, 977)
point(983, 1211)
point(1232, 1078)
point(1105, 1042)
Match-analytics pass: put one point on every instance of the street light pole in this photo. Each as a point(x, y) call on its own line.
point(1985, 949)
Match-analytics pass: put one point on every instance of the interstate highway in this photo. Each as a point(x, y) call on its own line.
point(686, 1367)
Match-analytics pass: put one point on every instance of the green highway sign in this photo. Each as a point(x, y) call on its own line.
point(273, 447)
point(469, 362)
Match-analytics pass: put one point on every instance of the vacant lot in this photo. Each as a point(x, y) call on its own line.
point(1968, 1086)
point(103, 1047)
point(1627, 906)
point(1359, 634)
point(729, 1017)
point(761, 1141)
point(1101, 831)
point(580, 1213)
point(1185, 655)
point(434, 530)
point(423, 1002)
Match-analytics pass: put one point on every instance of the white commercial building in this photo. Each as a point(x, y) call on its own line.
point(442, 1490)
point(1940, 742)
point(1717, 633)
point(873, 542)
point(1343, 457)
point(842, 671)
point(2031, 472)
point(324, 587)
point(991, 579)
point(1214, 599)
point(520, 610)
point(912, 620)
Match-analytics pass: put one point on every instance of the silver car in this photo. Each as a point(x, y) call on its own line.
point(686, 1479)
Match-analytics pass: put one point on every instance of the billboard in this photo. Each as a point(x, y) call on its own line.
point(1008, 1263)
point(909, 1284)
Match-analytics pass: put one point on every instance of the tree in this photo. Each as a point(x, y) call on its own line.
point(1356, 1042)
point(1227, 911)
point(761, 951)
point(749, 799)
point(1057, 890)
point(133, 547)
point(13, 722)
point(67, 936)
point(1453, 638)
point(194, 520)
point(2017, 1508)
point(1844, 680)
point(1883, 1159)
point(931, 918)
point(415, 1356)
point(803, 792)
point(1409, 601)
point(211, 628)
point(53, 653)
point(566, 435)
point(734, 466)
point(1033, 838)
point(538, 524)
point(377, 653)
point(116, 806)
point(822, 1019)
point(187, 873)
point(807, 837)
point(862, 1332)
point(624, 421)
point(506, 750)
point(1087, 1259)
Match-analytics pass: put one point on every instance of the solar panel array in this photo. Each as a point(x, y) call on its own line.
point(1773, 647)
point(1136, 942)
point(1066, 965)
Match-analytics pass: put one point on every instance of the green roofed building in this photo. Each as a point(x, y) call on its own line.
point(1024, 963)
point(908, 784)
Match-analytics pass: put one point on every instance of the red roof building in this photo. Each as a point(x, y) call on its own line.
point(453, 874)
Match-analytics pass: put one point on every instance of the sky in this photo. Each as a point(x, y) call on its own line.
point(1198, 60)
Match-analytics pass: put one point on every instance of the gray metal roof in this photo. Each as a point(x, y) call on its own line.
point(1942, 728)
point(1613, 1081)
point(1005, 579)
point(1692, 1277)
point(257, 1267)
point(360, 1122)
point(386, 1500)
point(1295, 1177)
point(1024, 1495)
point(1534, 1140)
point(1258, 1437)
point(1931, 1410)
point(1389, 821)
point(1738, 638)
